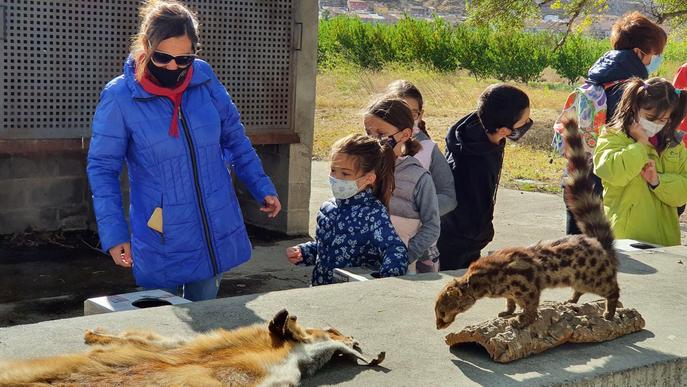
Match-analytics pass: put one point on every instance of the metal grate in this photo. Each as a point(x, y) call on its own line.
point(57, 56)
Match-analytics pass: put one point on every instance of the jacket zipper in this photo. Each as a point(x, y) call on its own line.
point(199, 194)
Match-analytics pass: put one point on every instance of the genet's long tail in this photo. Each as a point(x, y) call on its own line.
point(583, 203)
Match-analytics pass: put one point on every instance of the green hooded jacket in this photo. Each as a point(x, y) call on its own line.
point(635, 210)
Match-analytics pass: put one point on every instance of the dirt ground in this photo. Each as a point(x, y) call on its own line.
point(49, 278)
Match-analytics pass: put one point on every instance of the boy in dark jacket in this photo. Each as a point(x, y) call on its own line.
point(474, 150)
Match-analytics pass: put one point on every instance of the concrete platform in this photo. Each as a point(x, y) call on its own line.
point(396, 315)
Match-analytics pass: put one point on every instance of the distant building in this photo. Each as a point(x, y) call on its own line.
point(333, 11)
point(419, 11)
point(373, 18)
point(357, 5)
point(333, 3)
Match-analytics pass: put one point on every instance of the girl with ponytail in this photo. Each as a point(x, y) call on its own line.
point(414, 207)
point(642, 164)
point(429, 155)
point(354, 228)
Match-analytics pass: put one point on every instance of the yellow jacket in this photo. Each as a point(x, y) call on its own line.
point(634, 209)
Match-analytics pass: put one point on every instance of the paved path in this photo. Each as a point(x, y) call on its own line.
point(521, 218)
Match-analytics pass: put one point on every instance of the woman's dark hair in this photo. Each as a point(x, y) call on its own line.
point(634, 30)
point(370, 154)
point(657, 95)
point(396, 112)
point(501, 105)
point(160, 20)
point(404, 89)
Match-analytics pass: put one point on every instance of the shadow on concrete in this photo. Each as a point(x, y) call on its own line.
point(208, 315)
point(421, 277)
point(633, 266)
point(339, 370)
point(572, 361)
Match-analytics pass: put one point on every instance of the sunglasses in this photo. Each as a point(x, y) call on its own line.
point(518, 132)
point(160, 58)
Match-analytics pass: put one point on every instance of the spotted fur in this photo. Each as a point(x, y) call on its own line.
point(587, 262)
point(274, 355)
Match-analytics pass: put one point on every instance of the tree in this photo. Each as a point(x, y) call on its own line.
point(667, 10)
point(518, 12)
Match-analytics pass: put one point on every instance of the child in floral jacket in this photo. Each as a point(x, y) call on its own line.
point(354, 228)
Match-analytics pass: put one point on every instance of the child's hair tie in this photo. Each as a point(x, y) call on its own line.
point(678, 91)
point(644, 86)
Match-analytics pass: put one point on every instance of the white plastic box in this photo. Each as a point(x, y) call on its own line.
point(131, 301)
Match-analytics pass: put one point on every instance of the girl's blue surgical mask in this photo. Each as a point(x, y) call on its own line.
point(655, 63)
point(344, 189)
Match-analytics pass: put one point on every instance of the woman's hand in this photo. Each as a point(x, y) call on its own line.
point(272, 206)
point(649, 173)
point(121, 254)
point(638, 133)
point(294, 254)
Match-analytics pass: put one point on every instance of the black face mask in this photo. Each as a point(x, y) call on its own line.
point(517, 133)
point(167, 78)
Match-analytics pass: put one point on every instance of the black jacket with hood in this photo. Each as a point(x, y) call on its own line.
point(476, 166)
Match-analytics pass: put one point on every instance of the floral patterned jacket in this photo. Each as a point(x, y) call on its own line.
point(354, 232)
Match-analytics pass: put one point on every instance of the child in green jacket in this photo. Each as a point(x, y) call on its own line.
point(641, 163)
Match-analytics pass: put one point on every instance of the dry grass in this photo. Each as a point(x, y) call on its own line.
point(343, 93)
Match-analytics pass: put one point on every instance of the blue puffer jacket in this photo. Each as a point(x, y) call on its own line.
point(186, 176)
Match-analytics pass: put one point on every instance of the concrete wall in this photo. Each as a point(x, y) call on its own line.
point(43, 191)
point(45, 188)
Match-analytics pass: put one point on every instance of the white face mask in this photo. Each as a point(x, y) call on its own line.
point(416, 127)
point(343, 189)
point(650, 128)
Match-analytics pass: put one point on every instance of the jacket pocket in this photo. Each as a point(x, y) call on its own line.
point(151, 222)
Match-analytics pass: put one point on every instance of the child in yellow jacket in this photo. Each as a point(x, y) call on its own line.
point(641, 163)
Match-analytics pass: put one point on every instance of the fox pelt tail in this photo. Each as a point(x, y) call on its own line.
point(586, 206)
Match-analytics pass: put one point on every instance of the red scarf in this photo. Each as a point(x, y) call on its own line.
point(173, 94)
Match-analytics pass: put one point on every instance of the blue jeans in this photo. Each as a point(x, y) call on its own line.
point(199, 290)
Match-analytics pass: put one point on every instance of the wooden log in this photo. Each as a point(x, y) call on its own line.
point(558, 323)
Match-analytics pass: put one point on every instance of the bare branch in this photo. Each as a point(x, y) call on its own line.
point(662, 17)
point(575, 14)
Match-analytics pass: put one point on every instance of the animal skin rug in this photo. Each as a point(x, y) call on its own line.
point(274, 354)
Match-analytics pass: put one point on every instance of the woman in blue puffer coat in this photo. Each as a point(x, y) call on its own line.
point(174, 124)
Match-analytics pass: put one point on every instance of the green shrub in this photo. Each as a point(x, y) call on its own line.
point(473, 50)
point(505, 54)
point(519, 56)
point(573, 60)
